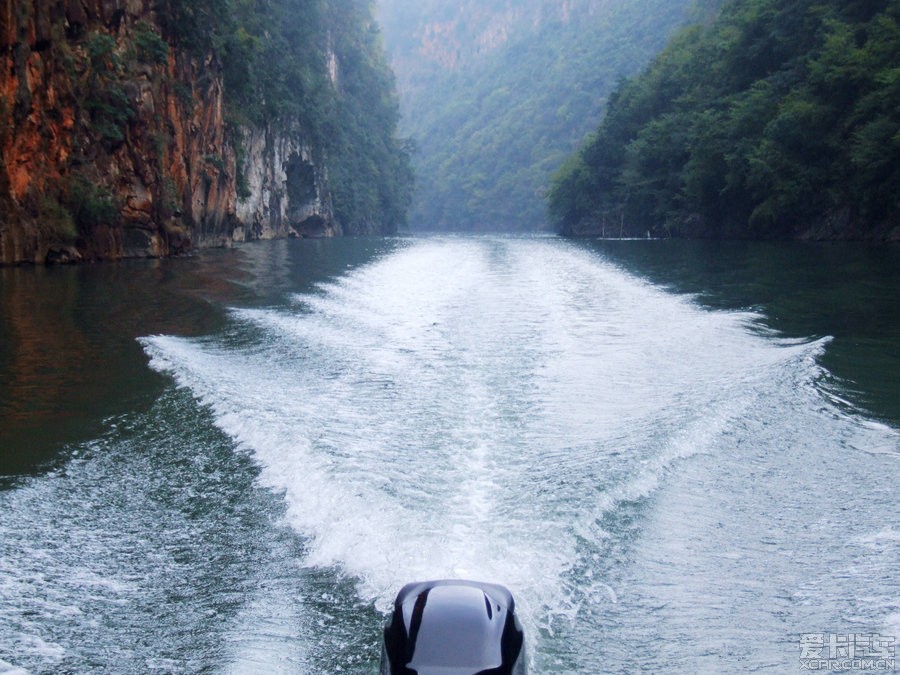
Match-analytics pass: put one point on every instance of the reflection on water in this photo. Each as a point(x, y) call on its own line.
point(666, 486)
point(68, 352)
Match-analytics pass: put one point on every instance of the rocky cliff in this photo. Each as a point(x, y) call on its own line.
point(114, 143)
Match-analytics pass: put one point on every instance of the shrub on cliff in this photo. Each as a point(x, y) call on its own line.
point(89, 204)
point(104, 96)
point(149, 45)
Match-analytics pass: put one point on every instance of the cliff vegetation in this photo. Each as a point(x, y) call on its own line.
point(776, 120)
point(497, 93)
point(149, 127)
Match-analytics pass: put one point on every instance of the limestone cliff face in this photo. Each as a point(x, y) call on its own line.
point(113, 144)
point(287, 193)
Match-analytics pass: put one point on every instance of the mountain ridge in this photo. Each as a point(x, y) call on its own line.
point(492, 125)
point(774, 121)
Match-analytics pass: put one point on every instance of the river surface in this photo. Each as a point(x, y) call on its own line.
point(678, 456)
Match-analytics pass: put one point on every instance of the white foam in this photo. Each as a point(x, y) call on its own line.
point(36, 645)
point(9, 669)
point(886, 535)
point(892, 625)
point(443, 414)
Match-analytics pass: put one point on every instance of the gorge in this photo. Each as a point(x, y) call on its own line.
point(139, 128)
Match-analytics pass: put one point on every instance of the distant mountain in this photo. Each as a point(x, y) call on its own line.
point(496, 94)
point(777, 120)
point(439, 35)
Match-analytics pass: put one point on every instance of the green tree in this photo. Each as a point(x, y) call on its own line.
point(769, 121)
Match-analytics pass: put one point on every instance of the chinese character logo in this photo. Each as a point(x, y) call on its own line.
point(850, 651)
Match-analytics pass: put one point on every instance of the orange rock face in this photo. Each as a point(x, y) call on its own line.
point(158, 180)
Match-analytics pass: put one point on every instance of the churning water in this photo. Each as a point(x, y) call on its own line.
point(662, 486)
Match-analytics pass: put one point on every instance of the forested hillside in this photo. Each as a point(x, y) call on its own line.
point(777, 120)
point(496, 94)
point(148, 127)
